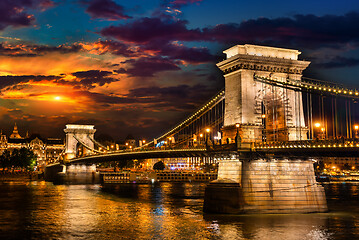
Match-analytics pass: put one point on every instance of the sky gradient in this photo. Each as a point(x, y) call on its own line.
point(141, 66)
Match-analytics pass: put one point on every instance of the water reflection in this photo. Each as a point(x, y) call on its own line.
point(160, 211)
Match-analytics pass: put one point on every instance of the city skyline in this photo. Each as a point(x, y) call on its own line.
point(140, 67)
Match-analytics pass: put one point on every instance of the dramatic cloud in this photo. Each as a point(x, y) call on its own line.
point(146, 29)
point(192, 55)
point(93, 78)
point(108, 46)
point(166, 98)
point(106, 9)
point(147, 67)
point(13, 12)
point(308, 31)
point(23, 50)
point(6, 81)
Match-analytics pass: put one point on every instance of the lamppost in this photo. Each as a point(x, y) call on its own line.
point(238, 138)
point(323, 132)
point(200, 138)
point(207, 135)
point(356, 128)
point(264, 136)
point(317, 126)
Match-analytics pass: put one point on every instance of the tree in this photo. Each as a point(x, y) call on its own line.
point(159, 166)
point(23, 158)
point(27, 158)
point(5, 159)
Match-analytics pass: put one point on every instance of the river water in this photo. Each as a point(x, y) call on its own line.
point(41, 210)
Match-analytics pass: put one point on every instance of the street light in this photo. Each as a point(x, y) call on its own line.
point(317, 125)
point(356, 128)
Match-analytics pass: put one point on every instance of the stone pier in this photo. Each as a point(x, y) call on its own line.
point(265, 186)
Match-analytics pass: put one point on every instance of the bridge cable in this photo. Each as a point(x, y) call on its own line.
point(86, 146)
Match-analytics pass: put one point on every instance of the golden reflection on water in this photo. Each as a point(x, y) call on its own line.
point(41, 210)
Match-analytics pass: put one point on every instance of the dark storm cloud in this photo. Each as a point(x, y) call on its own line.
point(146, 29)
point(105, 9)
point(194, 55)
point(114, 47)
point(148, 66)
point(92, 78)
point(23, 50)
point(6, 81)
point(84, 80)
point(308, 31)
point(304, 31)
point(13, 12)
point(168, 97)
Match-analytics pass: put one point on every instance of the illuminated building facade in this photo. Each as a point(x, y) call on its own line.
point(47, 150)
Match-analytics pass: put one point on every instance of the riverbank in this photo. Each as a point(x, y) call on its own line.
point(20, 176)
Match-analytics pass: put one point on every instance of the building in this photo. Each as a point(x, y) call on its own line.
point(47, 150)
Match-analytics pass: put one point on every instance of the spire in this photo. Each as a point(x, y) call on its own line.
point(15, 132)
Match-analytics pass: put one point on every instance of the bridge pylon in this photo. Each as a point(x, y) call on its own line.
point(262, 111)
point(256, 111)
point(76, 136)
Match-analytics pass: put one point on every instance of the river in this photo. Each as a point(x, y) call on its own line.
point(41, 210)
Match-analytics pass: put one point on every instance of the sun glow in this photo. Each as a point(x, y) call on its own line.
point(57, 98)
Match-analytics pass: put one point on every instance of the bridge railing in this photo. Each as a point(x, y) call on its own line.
point(325, 143)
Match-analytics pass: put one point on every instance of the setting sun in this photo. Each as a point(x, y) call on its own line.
point(57, 98)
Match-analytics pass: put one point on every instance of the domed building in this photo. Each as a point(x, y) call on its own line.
point(47, 150)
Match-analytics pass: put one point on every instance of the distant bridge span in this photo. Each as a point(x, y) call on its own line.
point(130, 155)
point(289, 149)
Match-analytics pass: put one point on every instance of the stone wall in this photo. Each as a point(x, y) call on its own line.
point(265, 186)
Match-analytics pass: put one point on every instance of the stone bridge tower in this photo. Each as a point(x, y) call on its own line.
point(76, 133)
point(263, 111)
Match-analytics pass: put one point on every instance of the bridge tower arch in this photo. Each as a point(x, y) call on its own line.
point(244, 94)
point(78, 134)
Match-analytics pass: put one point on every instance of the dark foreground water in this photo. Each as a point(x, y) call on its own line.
point(40, 210)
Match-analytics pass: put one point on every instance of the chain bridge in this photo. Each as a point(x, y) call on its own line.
point(264, 129)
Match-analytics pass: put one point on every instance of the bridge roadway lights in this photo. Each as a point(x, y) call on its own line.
point(247, 185)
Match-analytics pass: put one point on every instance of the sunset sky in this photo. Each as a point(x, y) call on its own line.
point(141, 66)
